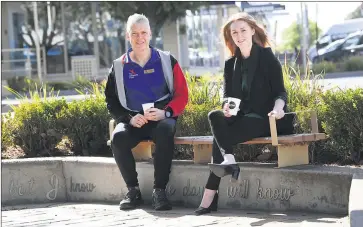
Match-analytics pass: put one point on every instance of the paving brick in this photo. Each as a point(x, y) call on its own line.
point(76, 214)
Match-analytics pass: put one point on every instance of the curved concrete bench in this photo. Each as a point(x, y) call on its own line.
point(261, 186)
point(356, 201)
point(291, 149)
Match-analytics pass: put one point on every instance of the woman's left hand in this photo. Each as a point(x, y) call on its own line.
point(278, 113)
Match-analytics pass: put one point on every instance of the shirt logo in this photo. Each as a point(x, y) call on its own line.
point(132, 74)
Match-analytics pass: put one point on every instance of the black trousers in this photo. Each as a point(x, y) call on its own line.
point(231, 131)
point(127, 137)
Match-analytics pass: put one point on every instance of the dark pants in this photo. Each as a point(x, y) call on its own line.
point(127, 137)
point(231, 131)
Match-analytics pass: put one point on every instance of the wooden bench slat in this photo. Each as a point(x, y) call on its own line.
point(285, 139)
point(291, 149)
point(194, 140)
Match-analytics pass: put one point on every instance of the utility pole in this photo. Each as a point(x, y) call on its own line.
point(316, 30)
point(95, 36)
point(49, 12)
point(37, 42)
point(65, 42)
point(304, 36)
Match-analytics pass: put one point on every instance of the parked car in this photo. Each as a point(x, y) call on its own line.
point(335, 32)
point(327, 51)
point(350, 46)
point(340, 31)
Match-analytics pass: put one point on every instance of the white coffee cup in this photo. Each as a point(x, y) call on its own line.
point(233, 105)
point(147, 106)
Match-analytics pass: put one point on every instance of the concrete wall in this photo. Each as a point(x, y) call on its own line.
point(260, 186)
point(32, 181)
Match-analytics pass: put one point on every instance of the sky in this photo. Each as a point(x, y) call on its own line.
point(329, 13)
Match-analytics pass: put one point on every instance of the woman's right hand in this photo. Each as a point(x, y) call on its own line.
point(226, 110)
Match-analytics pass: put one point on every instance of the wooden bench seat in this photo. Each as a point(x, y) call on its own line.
point(292, 149)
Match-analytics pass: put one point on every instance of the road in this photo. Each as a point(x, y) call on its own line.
point(343, 83)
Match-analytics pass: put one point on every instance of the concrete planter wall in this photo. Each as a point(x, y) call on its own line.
point(260, 186)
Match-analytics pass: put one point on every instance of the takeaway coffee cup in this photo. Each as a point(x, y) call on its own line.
point(147, 106)
point(233, 105)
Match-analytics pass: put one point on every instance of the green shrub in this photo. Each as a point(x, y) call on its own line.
point(61, 86)
point(7, 131)
point(204, 89)
point(22, 84)
point(85, 122)
point(194, 120)
point(38, 126)
point(342, 117)
point(204, 96)
point(354, 63)
point(324, 67)
point(304, 94)
point(35, 127)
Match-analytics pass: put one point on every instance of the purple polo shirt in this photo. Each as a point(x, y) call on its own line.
point(144, 84)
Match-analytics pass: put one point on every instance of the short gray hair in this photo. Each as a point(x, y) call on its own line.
point(136, 19)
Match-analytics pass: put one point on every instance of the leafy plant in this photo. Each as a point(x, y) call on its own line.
point(324, 67)
point(85, 122)
point(342, 113)
point(354, 63)
point(34, 123)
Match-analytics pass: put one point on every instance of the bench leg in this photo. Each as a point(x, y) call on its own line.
point(142, 152)
point(202, 153)
point(293, 155)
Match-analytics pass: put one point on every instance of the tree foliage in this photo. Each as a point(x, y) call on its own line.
point(357, 13)
point(47, 34)
point(293, 34)
point(158, 13)
point(79, 21)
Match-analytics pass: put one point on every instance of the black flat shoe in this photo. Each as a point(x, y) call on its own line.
point(223, 170)
point(212, 207)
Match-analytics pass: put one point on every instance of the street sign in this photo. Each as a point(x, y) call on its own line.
point(248, 8)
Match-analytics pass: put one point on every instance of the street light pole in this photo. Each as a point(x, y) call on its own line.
point(316, 31)
point(95, 36)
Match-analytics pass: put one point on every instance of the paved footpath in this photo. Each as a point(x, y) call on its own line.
point(76, 214)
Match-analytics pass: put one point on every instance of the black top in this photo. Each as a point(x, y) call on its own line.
point(262, 73)
point(240, 87)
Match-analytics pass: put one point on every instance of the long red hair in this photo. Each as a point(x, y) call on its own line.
point(260, 37)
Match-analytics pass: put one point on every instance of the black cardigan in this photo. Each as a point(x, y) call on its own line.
point(265, 83)
point(265, 80)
